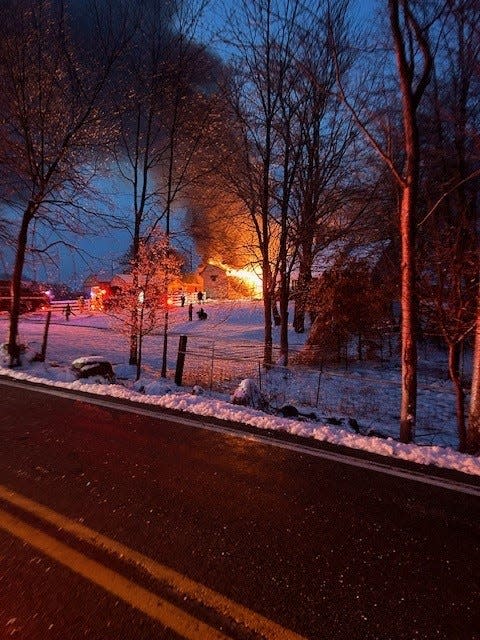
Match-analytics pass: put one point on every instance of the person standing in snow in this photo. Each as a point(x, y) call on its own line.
point(68, 312)
point(190, 311)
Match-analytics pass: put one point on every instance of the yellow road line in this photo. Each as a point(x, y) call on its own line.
point(182, 623)
point(194, 590)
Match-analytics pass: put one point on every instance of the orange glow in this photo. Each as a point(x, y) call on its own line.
point(97, 298)
point(251, 275)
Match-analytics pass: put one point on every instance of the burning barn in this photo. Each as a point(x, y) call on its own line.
point(222, 282)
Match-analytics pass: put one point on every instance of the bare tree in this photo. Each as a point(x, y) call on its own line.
point(449, 228)
point(414, 64)
point(165, 119)
point(146, 290)
point(407, 30)
point(52, 122)
point(271, 44)
point(260, 66)
point(325, 138)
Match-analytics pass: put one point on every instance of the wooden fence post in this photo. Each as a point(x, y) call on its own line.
point(211, 366)
point(40, 357)
point(182, 350)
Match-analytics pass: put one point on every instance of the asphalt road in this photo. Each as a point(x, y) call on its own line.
point(125, 526)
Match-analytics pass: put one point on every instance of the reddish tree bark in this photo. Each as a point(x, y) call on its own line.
point(406, 30)
point(473, 426)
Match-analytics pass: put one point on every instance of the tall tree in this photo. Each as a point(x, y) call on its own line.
point(165, 118)
point(325, 139)
point(256, 103)
point(408, 34)
point(450, 190)
point(52, 121)
point(414, 61)
point(269, 39)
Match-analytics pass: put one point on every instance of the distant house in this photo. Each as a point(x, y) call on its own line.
point(122, 281)
point(379, 257)
point(352, 296)
point(187, 285)
point(215, 280)
point(222, 282)
point(97, 292)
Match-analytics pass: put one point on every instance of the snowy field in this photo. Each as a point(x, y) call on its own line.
point(344, 407)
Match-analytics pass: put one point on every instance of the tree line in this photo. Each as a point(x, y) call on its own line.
point(306, 133)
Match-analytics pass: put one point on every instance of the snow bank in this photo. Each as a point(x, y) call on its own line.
point(161, 394)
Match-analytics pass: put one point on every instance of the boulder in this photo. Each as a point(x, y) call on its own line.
point(93, 366)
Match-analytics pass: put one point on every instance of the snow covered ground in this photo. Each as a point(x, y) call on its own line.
point(225, 349)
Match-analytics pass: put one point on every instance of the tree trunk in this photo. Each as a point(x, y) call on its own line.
point(473, 426)
point(408, 407)
point(303, 285)
point(299, 310)
point(134, 317)
point(453, 370)
point(165, 345)
point(283, 292)
point(15, 291)
point(267, 314)
point(284, 323)
point(412, 87)
point(140, 343)
point(139, 359)
point(267, 287)
point(133, 359)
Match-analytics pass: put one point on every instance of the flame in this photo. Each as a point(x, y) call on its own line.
point(251, 278)
point(251, 275)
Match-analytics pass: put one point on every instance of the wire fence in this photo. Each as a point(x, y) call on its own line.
point(214, 364)
point(219, 365)
point(369, 392)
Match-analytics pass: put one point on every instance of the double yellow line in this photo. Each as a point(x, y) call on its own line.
point(171, 616)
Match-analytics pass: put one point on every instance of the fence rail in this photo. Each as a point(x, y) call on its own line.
point(62, 304)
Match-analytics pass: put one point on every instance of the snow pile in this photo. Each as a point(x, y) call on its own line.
point(249, 395)
point(152, 387)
